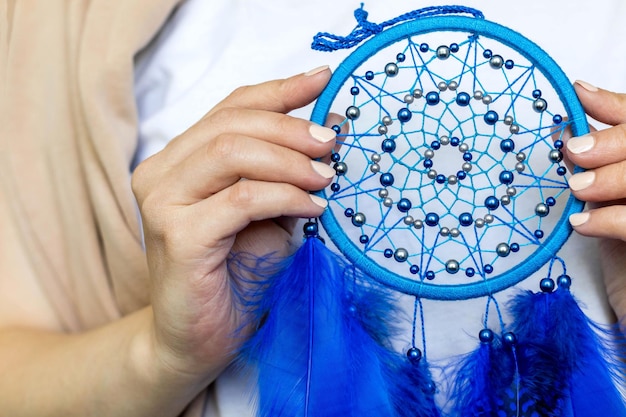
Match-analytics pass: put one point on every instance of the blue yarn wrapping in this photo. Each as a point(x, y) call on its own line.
point(323, 348)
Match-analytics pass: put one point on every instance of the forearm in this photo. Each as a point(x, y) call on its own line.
point(111, 371)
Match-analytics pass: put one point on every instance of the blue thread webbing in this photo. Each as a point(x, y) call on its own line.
point(328, 42)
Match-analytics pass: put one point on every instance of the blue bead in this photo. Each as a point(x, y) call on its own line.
point(561, 171)
point(466, 219)
point(414, 355)
point(400, 57)
point(435, 145)
point(386, 180)
point(454, 141)
point(388, 253)
point(388, 145)
point(354, 91)
point(310, 229)
point(335, 157)
point(507, 145)
point(538, 233)
point(547, 285)
point(486, 336)
point(509, 339)
point(414, 269)
point(564, 282)
point(441, 179)
point(336, 128)
point(491, 117)
point(454, 47)
point(488, 269)
point(470, 272)
point(428, 163)
point(404, 115)
point(558, 144)
point(369, 75)
point(506, 177)
point(509, 64)
point(514, 247)
point(432, 98)
point(467, 156)
point(557, 119)
point(487, 53)
point(404, 205)
point(461, 175)
point(430, 275)
point(550, 201)
point(424, 47)
point(536, 93)
point(492, 202)
point(349, 212)
point(364, 239)
point(335, 187)
point(432, 219)
point(463, 99)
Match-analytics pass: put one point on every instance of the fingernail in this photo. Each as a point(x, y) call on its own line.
point(323, 169)
point(587, 86)
point(578, 219)
point(321, 133)
point(581, 144)
point(319, 201)
point(316, 70)
point(582, 180)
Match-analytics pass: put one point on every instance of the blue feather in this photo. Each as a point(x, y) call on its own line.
point(323, 347)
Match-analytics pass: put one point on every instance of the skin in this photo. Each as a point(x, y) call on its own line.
point(603, 186)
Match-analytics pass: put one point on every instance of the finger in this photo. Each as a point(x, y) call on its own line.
point(606, 222)
point(602, 184)
point(604, 106)
point(598, 148)
point(229, 158)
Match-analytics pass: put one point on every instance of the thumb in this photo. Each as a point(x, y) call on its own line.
point(603, 105)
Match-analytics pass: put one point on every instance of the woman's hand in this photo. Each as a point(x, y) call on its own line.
point(603, 185)
point(223, 187)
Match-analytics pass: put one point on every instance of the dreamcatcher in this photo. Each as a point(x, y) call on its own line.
point(450, 185)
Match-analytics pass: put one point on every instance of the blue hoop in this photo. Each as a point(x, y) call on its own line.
point(553, 73)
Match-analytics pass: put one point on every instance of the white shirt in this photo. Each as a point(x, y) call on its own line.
point(208, 48)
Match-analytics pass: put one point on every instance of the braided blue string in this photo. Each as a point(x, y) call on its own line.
point(328, 42)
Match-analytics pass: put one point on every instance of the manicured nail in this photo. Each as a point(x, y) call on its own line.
point(321, 133)
point(582, 180)
point(323, 169)
point(319, 201)
point(316, 70)
point(581, 144)
point(578, 219)
point(587, 86)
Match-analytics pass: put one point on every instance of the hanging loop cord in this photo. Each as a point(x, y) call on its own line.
point(328, 42)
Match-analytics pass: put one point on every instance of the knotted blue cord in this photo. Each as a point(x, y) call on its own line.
point(328, 42)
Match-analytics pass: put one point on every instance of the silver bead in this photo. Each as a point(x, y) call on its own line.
point(496, 62)
point(508, 120)
point(452, 266)
point(464, 147)
point(514, 129)
point(382, 130)
point(429, 154)
point(443, 52)
point(408, 220)
point(387, 202)
point(479, 223)
point(418, 93)
point(505, 200)
point(503, 250)
point(408, 99)
point(444, 140)
point(353, 112)
point(489, 218)
point(453, 85)
point(391, 69)
point(358, 219)
point(375, 157)
point(555, 155)
point(542, 210)
point(540, 105)
point(418, 224)
point(383, 193)
point(341, 168)
point(442, 86)
point(454, 232)
point(452, 180)
point(520, 167)
point(467, 166)
point(432, 174)
point(401, 255)
point(444, 231)
point(521, 156)
point(375, 168)
point(487, 99)
point(478, 95)
point(511, 191)
point(387, 120)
